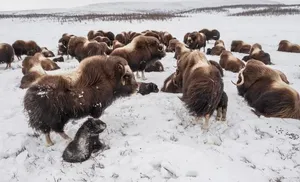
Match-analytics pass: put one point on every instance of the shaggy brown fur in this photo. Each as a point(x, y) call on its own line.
point(92, 34)
point(147, 88)
point(7, 54)
point(117, 44)
point(230, 62)
point(172, 44)
point(240, 46)
point(287, 46)
point(123, 38)
point(218, 66)
point(80, 48)
point(140, 52)
point(196, 40)
point(88, 91)
point(185, 38)
point(47, 53)
point(169, 85)
point(63, 44)
point(265, 91)
point(257, 53)
point(211, 34)
point(28, 48)
point(218, 48)
point(202, 85)
point(165, 38)
point(103, 39)
point(153, 34)
point(156, 66)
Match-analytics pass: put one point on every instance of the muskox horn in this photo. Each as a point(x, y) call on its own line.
point(242, 81)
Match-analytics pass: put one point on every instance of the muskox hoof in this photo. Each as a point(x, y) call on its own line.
point(218, 118)
point(223, 119)
point(137, 75)
point(49, 144)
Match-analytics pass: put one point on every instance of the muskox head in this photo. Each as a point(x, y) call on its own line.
point(95, 126)
point(28, 79)
point(152, 44)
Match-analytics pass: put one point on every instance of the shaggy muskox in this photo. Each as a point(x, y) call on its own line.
point(92, 34)
point(103, 39)
point(147, 88)
point(47, 53)
point(196, 40)
point(266, 92)
point(55, 99)
point(63, 44)
point(287, 46)
point(202, 85)
point(117, 44)
point(230, 63)
point(240, 46)
point(210, 34)
point(32, 76)
point(218, 48)
point(172, 44)
point(86, 141)
point(140, 52)
point(170, 86)
point(257, 53)
point(156, 66)
point(165, 37)
point(28, 48)
point(218, 66)
point(80, 48)
point(7, 54)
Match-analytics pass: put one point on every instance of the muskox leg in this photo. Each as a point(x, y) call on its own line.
point(143, 75)
point(206, 121)
point(219, 113)
point(64, 136)
point(137, 74)
point(48, 140)
point(224, 113)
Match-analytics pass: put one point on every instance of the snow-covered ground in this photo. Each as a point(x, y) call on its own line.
point(151, 137)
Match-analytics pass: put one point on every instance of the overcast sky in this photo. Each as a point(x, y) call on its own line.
point(10, 5)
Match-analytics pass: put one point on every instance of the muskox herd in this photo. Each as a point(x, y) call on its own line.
point(107, 63)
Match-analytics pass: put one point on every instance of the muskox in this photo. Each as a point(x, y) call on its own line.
point(218, 48)
point(58, 59)
point(32, 76)
point(266, 92)
point(88, 91)
point(63, 44)
point(103, 39)
point(156, 66)
point(170, 86)
point(47, 53)
point(117, 44)
point(171, 45)
point(196, 40)
point(80, 48)
point(211, 34)
point(218, 66)
point(230, 63)
point(28, 48)
point(287, 46)
point(257, 53)
point(165, 38)
point(147, 88)
point(240, 46)
point(7, 54)
point(140, 52)
point(202, 86)
point(92, 34)
point(152, 34)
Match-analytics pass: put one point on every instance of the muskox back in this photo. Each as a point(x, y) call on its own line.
point(7, 54)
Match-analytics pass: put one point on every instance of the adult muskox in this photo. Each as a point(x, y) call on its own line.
point(218, 48)
point(196, 40)
point(202, 86)
point(257, 53)
point(140, 52)
point(265, 91)
point(88, 91)
point(7, 54)
point(210, 34)
point(230, 62)
point(80, 48)
point(287, 46)
point(240, 46)
point(92, 34)
point(28, 48)
point(172, 44)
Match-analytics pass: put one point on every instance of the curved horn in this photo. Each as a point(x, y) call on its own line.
point(242, 76)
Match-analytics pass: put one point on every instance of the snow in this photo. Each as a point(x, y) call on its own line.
point(152, 137)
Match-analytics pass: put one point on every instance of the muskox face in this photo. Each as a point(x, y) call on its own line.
point(28, 79)
point(157, 49)
point(95, 126)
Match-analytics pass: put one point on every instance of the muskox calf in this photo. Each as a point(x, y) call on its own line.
point(287, 46)
point(230, 62)
point(38, 59)
point(88, 91)
point(266, 92)
point(218, 48)
point(28, 48)
point(202, 85)
point(240, 46)
point(211, 34)
point(196, 40)
point(156, 66)
point(257, 53)
point(86, 141)
point(140, 52)
point(7, 54)
point(147, 88)
point(170, 86)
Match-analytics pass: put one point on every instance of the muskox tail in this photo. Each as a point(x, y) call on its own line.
point(218, 66)
point(203, 96)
